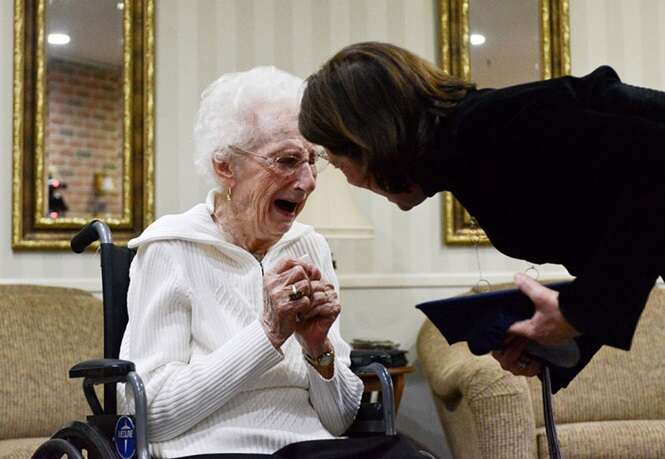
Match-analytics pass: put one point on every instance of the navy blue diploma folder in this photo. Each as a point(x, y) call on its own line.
point(483, 319)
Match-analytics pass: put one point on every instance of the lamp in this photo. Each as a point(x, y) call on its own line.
point(330, 209)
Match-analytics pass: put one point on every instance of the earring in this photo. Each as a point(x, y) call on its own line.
point(228, 194)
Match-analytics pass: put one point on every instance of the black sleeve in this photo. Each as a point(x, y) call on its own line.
point(609, 296)
point(560, 377)
point(611, 290)
point(613, 165)
point(601, 154)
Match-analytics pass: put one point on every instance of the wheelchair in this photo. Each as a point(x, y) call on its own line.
point(109, 435)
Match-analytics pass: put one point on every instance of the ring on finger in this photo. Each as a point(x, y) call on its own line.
point(523, 362)
point(295, 294)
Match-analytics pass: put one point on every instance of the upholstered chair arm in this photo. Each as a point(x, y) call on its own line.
point(485, 411)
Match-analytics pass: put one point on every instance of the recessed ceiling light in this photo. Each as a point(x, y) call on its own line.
point(58, 38)
point(120, 5)
point(477, 39)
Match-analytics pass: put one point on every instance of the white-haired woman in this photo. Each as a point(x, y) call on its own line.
point(233, 304)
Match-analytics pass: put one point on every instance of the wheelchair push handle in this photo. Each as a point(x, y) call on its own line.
point(94, 230)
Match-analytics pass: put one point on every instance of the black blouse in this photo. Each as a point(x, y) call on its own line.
point(568, 171)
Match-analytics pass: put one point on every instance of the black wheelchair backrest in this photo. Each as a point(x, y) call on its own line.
point(115, 262)
point(115, 279)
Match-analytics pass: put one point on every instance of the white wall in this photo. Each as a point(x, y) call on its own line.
point(406, 262)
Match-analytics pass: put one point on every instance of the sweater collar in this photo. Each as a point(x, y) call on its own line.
point(197, 225)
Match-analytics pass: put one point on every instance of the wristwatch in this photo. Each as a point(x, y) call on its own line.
point(324, 360)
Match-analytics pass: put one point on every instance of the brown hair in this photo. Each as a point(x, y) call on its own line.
point(376, 103)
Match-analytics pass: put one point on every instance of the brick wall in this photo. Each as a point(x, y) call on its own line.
point(83, 134)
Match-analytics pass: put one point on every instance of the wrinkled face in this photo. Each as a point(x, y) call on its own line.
point(357, 175)
point(266, 200)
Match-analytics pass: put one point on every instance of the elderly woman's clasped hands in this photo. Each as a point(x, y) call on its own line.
point(299, 301)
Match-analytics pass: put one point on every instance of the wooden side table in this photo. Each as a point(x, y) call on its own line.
point(396, 373)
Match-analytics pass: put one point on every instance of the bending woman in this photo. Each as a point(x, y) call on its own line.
point(568, 171)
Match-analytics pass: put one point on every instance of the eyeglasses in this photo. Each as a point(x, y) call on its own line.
point(287, 164)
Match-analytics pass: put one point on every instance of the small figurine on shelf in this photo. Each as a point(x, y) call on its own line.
point(57, 207)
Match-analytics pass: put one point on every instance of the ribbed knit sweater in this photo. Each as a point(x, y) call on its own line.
point(214, 382)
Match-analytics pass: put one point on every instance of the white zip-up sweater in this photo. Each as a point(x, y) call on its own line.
point(214, 382)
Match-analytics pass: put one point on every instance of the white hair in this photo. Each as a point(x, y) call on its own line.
point(241, 109)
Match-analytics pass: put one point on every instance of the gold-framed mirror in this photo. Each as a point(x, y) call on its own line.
point(496, 44)
point(83, 119)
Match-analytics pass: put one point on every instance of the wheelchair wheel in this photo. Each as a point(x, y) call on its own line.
point(57, 447)
point(81, 437)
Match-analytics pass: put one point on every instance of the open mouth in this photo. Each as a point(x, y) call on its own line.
point(286, 206)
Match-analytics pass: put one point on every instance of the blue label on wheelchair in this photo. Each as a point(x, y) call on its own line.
point(125, 437)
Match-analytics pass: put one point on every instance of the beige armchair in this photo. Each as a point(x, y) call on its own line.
point(615, 408)
point(43, 332)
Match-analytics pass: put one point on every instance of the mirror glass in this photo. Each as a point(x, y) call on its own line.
point(83, 133)
point(504, 39)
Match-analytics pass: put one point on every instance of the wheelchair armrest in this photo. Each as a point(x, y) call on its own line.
point(387, 395)
point(100, 371)
point(111, 371)
point(101, 368)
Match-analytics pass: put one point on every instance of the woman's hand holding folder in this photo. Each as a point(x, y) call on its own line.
point(547, 326)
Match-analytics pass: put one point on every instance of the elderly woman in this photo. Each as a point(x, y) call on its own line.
point(233, 304)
